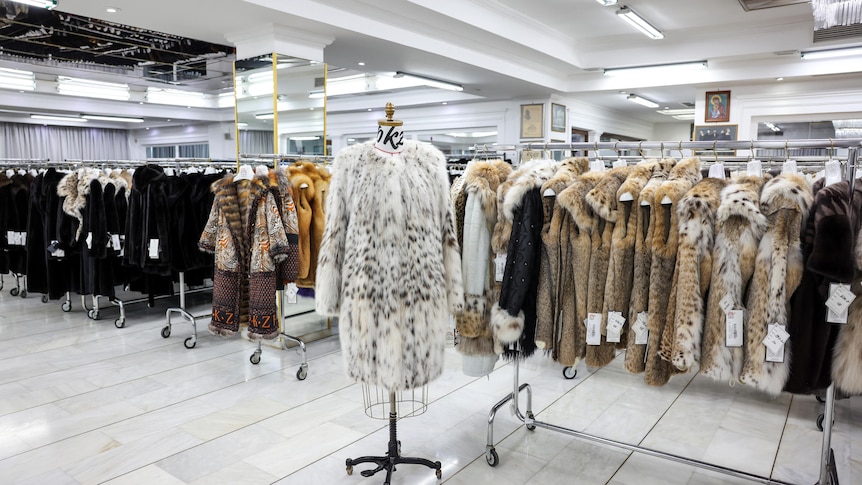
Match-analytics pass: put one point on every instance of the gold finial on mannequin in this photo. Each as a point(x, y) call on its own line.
point(390, 112)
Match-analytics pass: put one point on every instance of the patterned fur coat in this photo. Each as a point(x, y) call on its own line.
point(663, 273)
point(785, 201)
point(642, 241)
point(282, 192)
point(246, 233)
point(696, 212)
point(739, 226)
point(391, 273)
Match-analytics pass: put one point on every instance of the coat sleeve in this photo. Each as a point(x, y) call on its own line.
point(452, 260)
point(278, 245)
point(522, 261)
point(327, 298)
point(209, 236)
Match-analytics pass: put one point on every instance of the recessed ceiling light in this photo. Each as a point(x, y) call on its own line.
point(444, 102)
point(169, 120)
point(310, 109)
point(148, 127)
point(140, 102)
point(369, 109)
point(360, 63)
point(112, 9)
point(779, 79)
point(667, 107)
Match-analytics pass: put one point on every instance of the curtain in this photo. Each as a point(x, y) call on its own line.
point(56, 143)
point(256, 141)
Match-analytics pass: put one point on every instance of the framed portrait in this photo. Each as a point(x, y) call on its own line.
point(717, 107)
point(558, 118)
point(532, 120)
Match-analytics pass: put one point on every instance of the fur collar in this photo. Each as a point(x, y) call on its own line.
point(573, 199)
point(787, 191)
point(682, 177)
point(741, 199)
point(660, 173)
point(637, 179)
point(532, 175)
point(700, 204)
point(569, 170)
point(481, 176)
point(68, 188)
point(503, 168)
point(603, 197)
point(299, 176)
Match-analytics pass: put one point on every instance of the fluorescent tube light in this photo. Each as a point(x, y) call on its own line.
point(304, 138)
point(608, 3)
point(676, 112)
point(634, 98)
point(316, 95)
point(667, 69)
point(684, 117)
point(828, 54)
point(176, 97)
point(121, 119)
point(49, 4)
point(266, 116)
point(242, 125)
point(71, 86)
point(17, 79)
point(74, 119)
point(431, 82)
point(639, 23)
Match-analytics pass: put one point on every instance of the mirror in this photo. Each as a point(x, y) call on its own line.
point(280, 105)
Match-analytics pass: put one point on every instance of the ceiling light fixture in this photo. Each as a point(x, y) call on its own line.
point(71, 86)
point(830, 53)
point(634, 98)
point(121, 119)
point(17, 79)
point(431, 82)
point(304, 138)
point(74, 119)
point(677, 112)
point(779, 79)
point(663, 69)
point(639, 23)
point(112, 9)
point(176, 97)
point(242, 125)
point(265, 116)
point(608, 3)
point(360, 63)
point(49, 4)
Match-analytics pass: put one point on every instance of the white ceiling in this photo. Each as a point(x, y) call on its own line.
point(504, 49)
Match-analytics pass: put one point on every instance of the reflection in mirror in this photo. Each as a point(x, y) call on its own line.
point(805, 130)
point(457, 143)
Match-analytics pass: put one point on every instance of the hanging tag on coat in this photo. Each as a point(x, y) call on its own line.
point(89, 240)
point(733, 331)
point(616, 321)
point(115, 241)
point(774, 342)
point(154, 249)
point(499, 267)
point(641, 329)
point(292, 290)
point(594, 328)
point(726, 303)
point(840, 298)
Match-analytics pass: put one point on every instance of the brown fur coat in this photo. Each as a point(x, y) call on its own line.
point(663, 272)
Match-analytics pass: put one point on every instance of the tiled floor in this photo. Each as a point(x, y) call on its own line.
point(84, 402)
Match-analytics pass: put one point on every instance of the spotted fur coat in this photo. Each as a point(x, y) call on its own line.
point(663, 272)
point(696, 212)
point(785, 201)
point(739, 226)
point(391, 273)
point(643, 193)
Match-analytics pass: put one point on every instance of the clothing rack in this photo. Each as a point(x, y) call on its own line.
point(828, 474)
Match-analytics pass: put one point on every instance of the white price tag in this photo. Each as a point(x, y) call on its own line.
point(89, 240)
point(733, 332)
point(641, 329)
point(115, 241)
point(499, 266)
point(15, 238)
point(726, 303)
point(154, 249)
point(616, 321)
point(291, 290)
point(776, 337)
point(122, 245)
point(594, 324)
point(620, 163)
point(840, 298)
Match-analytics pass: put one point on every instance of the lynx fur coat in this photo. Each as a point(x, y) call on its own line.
point(739, 226)
point(785, 201)
point(643, 194)
point(603, 201)
point(391, 273)
point(663, 272)
point(696, 214)
point(555, 279)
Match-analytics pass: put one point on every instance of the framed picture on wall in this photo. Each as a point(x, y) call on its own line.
point(715, 133)
point(717, 107)
point(532, 120)
point(558, 118)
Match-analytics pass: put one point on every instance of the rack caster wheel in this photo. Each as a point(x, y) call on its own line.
point(120, 322)
point(531, 427)
point(94, 314)
point(301, 374)
point(492, 458)
point(23, 293)
point(44, 298)
point(820, 420)
point(190, 343)
point(570, 372)
point(349, 470)
point(819, 399)
point(255, 357)
point(66, 306)
point(13, 292)
point(439, 472)
point(166, 331)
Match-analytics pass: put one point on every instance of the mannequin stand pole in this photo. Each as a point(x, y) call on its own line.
point(393, 456)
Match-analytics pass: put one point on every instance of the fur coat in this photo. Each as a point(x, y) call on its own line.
point(583, 222)
point(310, 214)
point(830, 254)
point(663, 272)
point(246, 233)
point(643, 193)
point(739, 226)
point(513, 317)
point(785, 201)
point(282, 192)
point(391, 273)
point(603, 201)
point(555, 279)
point(696, 212)
point(459, 201)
